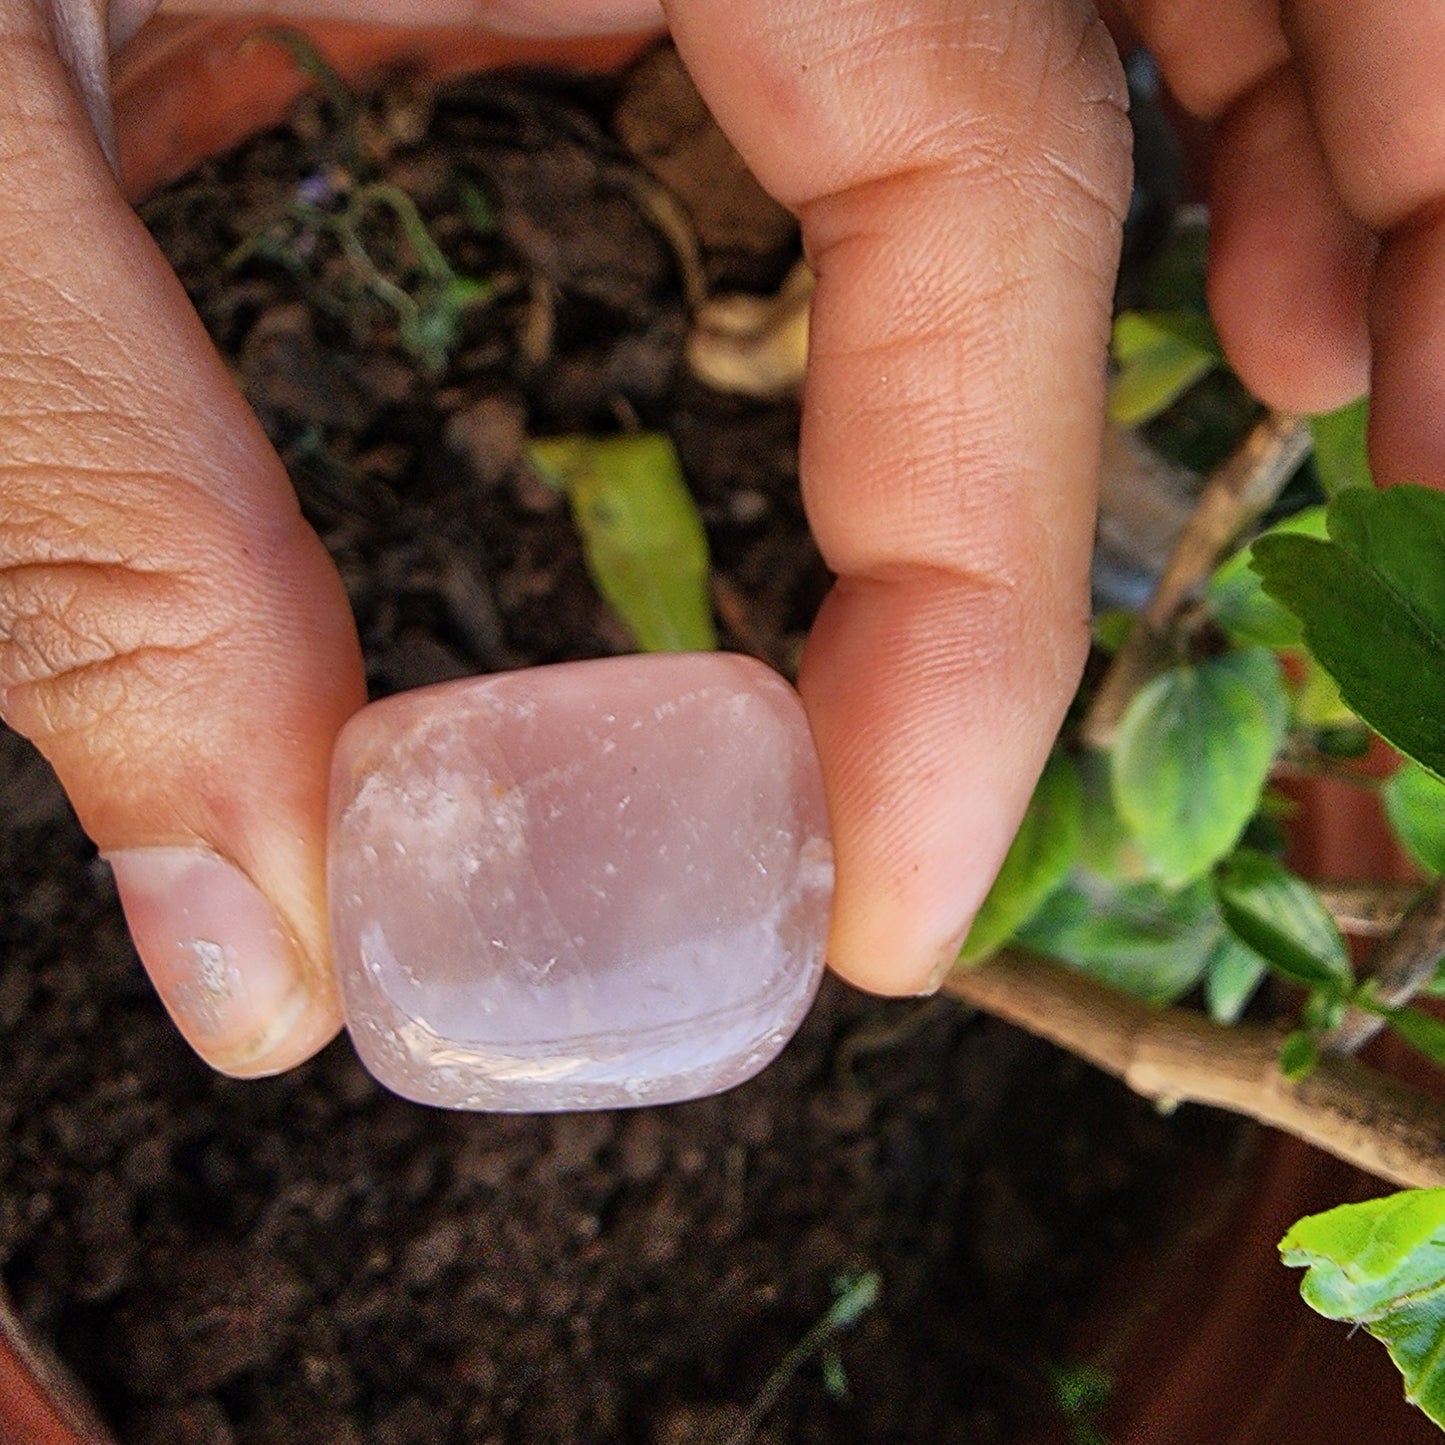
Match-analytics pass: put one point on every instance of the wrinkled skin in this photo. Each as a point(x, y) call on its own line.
point(174, 639)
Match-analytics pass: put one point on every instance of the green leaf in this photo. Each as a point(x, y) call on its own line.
point(1112, 627)
point(1232, 973)
point(1160, 355)
point(1324, 1009)
point(1381, 1264)
point(1423, 1032)
point(1083, 1393)
point(641, 533)
point(1298, 1055)
point(1149, 941)
point(1106, 846)
point(1038, 860)
point(1237, 597)
point(476, 205)
point(1415, 805)
point(835, 1376)
point(1282, 919)
point(856, 1294)
point(1372, 600)
point(1341, 455)
point(1319, 706)
point(1192, 755)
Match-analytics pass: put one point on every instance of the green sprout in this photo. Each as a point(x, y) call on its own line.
point(426, 296)
point(854, 1296)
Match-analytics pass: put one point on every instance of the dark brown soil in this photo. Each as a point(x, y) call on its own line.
point(308, 1259)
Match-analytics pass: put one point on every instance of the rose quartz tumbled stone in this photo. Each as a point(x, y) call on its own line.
point(585, 886)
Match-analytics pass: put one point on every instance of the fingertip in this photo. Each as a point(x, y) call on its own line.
point(1289, 269)
point(1407, 398)
point(934, 704)
point(230, 971)
point(873, 964)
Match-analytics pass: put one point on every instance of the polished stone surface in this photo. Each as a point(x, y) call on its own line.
point(592, 885)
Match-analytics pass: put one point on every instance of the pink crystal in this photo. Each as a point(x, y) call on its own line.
point(585, 886)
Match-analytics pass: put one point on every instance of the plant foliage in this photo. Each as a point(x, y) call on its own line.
point(1160, 355)
point(1415, 804)
point(1381, 1264)
point(641, 533)
point(1041, 854)
point(1341, 455)
point(1371, 599)
point(1280, 917)
point(1237, 598)
point(1192, 755)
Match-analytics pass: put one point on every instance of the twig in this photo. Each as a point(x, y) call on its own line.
point(1236, 494)
point(1401, 965)
point(1342, 1106)
point(1368, 910)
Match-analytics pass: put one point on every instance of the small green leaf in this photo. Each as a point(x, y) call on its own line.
point(1083, 1393)
point(1232, 973)
point(1112, 628)
point(1372, 600)
point(1298, 1055)
point(1160, 355)
point(856, 1294)
point(1381, 1264)
point(1106, 846)
point(1415, 805)
point(1237, 598)
point(835, 1376)
point(1341, 455)
point(1423, 1032)
point(1149, 941)
point(1324, 1009)
point(1319, 706)
point(1282, 919)
point(1041, 855)
point(641, 533)
point(1192, 755)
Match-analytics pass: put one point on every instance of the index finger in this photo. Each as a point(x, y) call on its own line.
point(961, 172)
point(1375, 78)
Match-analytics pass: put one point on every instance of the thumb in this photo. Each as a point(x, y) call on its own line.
point(172, 635)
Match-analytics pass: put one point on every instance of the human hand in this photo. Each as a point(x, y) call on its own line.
point(1327, 239)
point(176, 643)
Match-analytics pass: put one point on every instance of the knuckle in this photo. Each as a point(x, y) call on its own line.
point(83, 641)
point(1079, 161)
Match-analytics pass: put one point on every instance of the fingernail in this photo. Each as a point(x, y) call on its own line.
point(217, 952)
point(947, 961)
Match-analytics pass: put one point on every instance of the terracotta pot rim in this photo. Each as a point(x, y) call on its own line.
point(41, 1401)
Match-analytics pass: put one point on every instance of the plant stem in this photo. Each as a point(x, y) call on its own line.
point(1368, 910)
point(1236, 494)
point(433, 264)
point(857, 1297)
point(1401, 965)
point(1342, 1106)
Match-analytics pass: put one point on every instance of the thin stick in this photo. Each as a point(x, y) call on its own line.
point(1342, 1106)
point(1401, 965)
point(1236, 494)
point(1368, 910)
